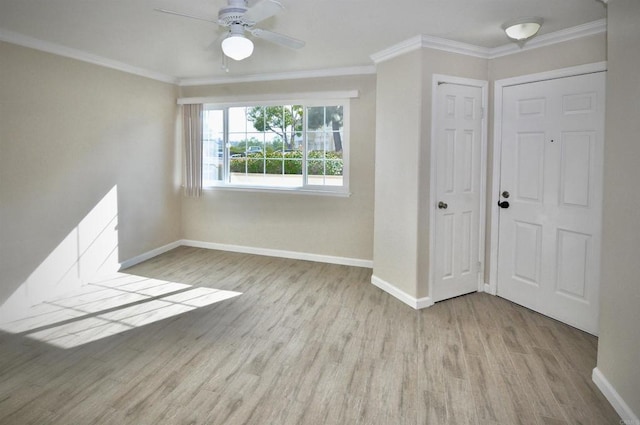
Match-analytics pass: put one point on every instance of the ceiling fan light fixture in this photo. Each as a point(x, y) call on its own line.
point(523, 28)
point(237, 46)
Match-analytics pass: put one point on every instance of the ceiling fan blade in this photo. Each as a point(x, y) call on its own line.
point(262, 10)
point(277, 38)
point(185, 15)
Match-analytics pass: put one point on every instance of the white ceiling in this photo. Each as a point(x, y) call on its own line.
point(338, 33)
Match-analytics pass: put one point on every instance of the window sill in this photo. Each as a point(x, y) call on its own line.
point(281, 190)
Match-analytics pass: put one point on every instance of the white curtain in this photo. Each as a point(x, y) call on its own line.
point(192, 125)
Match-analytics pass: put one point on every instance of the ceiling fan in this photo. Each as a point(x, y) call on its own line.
point(238, 18)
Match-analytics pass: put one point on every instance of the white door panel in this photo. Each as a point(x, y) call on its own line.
point(551, 165)
point(458, 150)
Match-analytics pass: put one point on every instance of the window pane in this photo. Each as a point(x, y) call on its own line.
point(212, 147)
point(273, 143)
point(255, 145)
point(237, 145)
point(237, 120)
point(325, 145)
point(293, 167)
point(269, 151)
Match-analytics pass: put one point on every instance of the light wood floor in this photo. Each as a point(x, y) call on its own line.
point(173, 342)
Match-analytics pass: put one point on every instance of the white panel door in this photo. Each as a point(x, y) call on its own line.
point(458, 139)
point(551, 167)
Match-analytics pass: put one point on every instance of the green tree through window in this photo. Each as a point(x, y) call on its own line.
point(285, 121)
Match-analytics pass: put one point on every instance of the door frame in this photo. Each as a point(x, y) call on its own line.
point(499, 85)
point(436, 80)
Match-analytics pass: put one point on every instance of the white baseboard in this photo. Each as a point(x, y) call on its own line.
point(489, 290)
point(345, 261)
point(618, 403)
point(147, 255)
point(416, 303)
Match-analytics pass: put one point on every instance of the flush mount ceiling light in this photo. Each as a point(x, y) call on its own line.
point(523, 28)
point(236, 45)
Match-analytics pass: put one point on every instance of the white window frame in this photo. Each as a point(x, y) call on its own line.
point(306, 100)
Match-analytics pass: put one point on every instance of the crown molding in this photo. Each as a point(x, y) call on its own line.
point(396, 50)
point(424, 41)
point(427, 41)
point(57, 49)
point(294, 75)
point(430, 42)
point(414, 43)
point(455, 47)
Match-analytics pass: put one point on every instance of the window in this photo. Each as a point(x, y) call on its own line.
point(289, 146)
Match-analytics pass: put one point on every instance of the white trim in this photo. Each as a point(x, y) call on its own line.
point(451, 46)
point(568, 34)
point(60, 50)
point(396, 50)
point(281, 97)
point(345, 261)
point(484, 86)
point(621, 407)
point(499, 86)
point(308, 186)
point(319, 258)
point(426, 41)
point(571, 71)
point(414, 43)
point(293, 75)
point(488, 290)
point(415, 303)
point(280, 190)
point(437, 43)
point(57, 49)
point(148, 255)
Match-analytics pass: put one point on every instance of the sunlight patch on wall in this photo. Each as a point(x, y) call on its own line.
point(89, 250)
point(108, 307)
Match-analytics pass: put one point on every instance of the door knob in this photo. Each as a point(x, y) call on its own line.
point(505, 194)
point(504, 204)
point(442, 205)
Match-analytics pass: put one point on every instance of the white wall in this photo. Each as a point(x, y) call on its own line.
point(87, 172)
point(403, 145)
point(398, 130)
point(312, 224)
point(561, 55)
point(619, 344)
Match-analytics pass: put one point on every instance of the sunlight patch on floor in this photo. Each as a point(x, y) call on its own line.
point(112, 306)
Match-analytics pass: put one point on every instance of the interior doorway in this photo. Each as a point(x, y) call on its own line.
point(458, 163)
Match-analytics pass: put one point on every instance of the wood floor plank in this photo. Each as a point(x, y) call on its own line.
point(467, 326)
point(489, 401)
point(531, 376)
point(559, 383)
point(517, 402)
point(433, 408)
point(460, 403)
point(293, 343)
